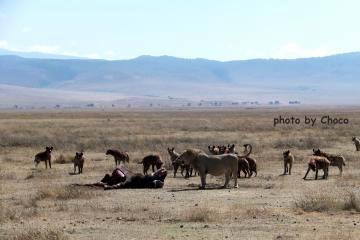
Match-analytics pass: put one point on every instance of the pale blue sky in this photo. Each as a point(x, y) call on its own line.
point(221, 30)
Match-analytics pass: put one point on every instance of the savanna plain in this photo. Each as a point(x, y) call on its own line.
point(39, 203)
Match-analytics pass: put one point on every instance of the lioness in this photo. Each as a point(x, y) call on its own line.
point(215, 165)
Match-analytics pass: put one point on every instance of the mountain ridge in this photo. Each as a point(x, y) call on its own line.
point(255, 79)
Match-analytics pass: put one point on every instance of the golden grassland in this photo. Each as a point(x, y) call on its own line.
point(39, 203)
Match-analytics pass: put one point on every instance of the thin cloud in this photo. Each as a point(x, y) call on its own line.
point(92, 55)
point(293, 50)
point(26, 29)
point(4, 44)
point(44, 48)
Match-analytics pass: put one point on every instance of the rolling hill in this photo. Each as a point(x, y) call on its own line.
point(324, 80)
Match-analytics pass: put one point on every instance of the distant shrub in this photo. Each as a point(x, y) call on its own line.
point(330, 200)
point(300, 143)
point(62, 159)
point(200, 214)
point(43, 234)
point(65, 193)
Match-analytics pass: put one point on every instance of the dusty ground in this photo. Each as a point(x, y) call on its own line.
point(41, 204)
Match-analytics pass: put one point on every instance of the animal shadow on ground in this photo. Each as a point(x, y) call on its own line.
point(282, 175)
point(34, 169)
point(196, 187)
point(313, 179)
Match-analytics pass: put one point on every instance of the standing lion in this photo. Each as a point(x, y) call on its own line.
point(215, 165)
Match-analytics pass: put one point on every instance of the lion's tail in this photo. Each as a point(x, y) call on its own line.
point(248, 153)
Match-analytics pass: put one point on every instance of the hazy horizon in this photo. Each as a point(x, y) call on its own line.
point(45, 55)
point(231, 30)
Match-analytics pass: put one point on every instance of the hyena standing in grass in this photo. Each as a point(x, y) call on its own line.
point(151, 161)
point(79, 162)
point(118, 156)
point(251, 161)
point(335, 160)
point(288, 162)
point(44, 157)
point(357, 143)
point(315, 163)
point(173, 156)
point(243, 166)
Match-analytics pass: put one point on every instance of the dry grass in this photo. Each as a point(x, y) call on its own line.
point(18, 213)
point(65, 193)
point(329, 199)
point(264, 207)
point(62, 159)
point(140, 131)
point(353, 201)
point(201, 214)
point(44, 234)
